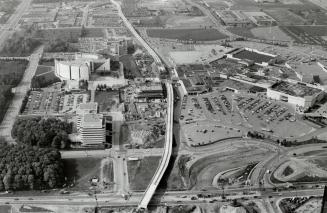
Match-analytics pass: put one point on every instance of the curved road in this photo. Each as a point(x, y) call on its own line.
point(167, 152)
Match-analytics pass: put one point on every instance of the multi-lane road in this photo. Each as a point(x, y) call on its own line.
point(12, 23)
point(19, 94)
point(169, 121)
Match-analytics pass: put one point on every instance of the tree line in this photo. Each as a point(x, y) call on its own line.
point(23, 167)
point(42, 132)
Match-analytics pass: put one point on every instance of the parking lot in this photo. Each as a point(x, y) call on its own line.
point(222, 114)
point(272, 117)
point(53, 102)
point(40, 102)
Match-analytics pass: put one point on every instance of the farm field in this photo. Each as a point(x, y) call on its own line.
point(307, 34)
point(187, 34)
point(285, 17)
point(265, 33)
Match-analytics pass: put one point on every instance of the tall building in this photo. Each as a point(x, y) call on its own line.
point(91, 129)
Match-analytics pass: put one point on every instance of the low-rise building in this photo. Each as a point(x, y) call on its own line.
point(299, 94)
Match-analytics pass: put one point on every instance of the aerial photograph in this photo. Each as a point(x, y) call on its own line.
point(163, 106)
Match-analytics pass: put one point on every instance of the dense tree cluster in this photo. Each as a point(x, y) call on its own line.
point(11, 72)
point(41, 81)
point(41, 132)
point(23, 167)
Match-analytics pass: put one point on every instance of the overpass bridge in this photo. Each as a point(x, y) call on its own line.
point(148, 194)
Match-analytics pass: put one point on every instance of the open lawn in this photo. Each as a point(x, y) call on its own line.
point(42, 69)
point(187, 34)
point(81, 170)
point(140, 172)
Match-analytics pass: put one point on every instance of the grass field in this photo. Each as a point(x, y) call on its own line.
point(42, 69)
point(285, 17)
point(81, 170)
point(187, 34)
point(140, 172)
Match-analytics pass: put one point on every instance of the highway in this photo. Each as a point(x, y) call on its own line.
point(167, 152)
point(13, 21)
point(137, 36)
point(20, 92)
point(169, 121)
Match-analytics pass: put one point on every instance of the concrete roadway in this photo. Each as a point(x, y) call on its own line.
point(169, 198)
point(20, 92)
point(13, 21)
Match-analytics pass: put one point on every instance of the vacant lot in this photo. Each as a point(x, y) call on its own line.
point(81, 170)
point(140, 172)
point(106, 100)
point(130, 68)
point(187, 34)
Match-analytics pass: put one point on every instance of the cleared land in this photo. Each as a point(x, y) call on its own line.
point(187, 34)
point(79, 171)
point(140, 172)
point(106, 100)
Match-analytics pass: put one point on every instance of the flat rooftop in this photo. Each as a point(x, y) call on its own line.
point(88, 106)
point(92, 121)
point(253, 56)
point(298, 90)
